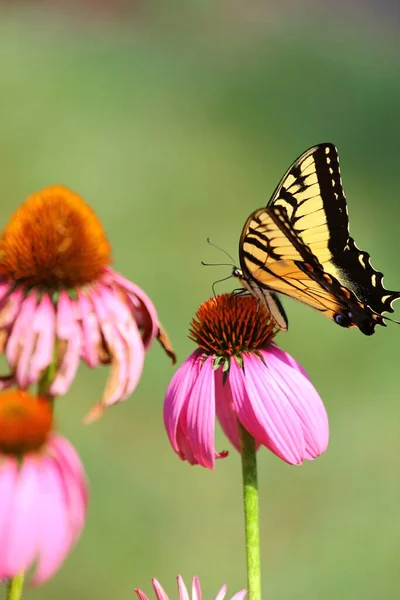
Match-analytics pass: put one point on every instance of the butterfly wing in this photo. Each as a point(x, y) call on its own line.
point(274, 258)
point(311, 192)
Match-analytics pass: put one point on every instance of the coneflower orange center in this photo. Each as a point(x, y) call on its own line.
point(228, 325)
point(54, 239)
point(25, 422)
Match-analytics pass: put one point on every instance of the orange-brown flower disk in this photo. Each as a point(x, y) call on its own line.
point(228, 325)
point(54, 239)
point(25, 422)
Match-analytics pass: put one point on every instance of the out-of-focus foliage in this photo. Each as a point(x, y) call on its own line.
point(175, 124)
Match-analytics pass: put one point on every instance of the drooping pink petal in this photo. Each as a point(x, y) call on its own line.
point(286, 358)
point(183, 593)
point(91, 338)
point(304, 399)
point(129, 333)
point(19, 544)
point(75, 483)
point(55, 537)
point(268, 417)
point(177, 396)
point(22, 329)
point(142, 303)
point(201, 415)
point(70, 341)
point(125, 346)
point(8, 482)
point(225, 409)
point(185, 450)
point(10, 307)
point(5, 288)
point(44, 326)
point(159, 590)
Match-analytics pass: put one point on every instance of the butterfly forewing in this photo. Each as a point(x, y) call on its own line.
point(299, 245)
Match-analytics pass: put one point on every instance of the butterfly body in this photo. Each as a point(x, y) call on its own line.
point(299, 245)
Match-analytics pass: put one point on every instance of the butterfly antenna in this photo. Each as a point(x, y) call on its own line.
point(215, 264)
point(221, 250)
point(219, 281)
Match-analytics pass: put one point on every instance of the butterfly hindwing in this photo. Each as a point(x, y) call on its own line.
point(275, 258)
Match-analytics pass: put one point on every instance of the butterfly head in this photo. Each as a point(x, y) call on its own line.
point(237, 273)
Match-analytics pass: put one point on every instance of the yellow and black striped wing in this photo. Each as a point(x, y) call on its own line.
point(274, 258)
point(312, 194)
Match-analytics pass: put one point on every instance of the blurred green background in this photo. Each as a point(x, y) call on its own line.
point(175, 121)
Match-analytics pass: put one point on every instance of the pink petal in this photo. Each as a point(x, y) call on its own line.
point(264, 411)
point(36, 340)
point(177, 395)
point(10, 307)
point(75, 482)
point(196, 589)
point(56, 535)
point(141, 595)
point(285, 357)
point(5, 289)
point(225, 409)
point(8, 482)
point(201, 415)
point(159, 590)
point(185, 450)
point(22, 329)
point(91, 341)
point(183, 593)
point(19, 544)
point(129, 332)
point(240, 595)
point(125, 345)
point(145, 303)
point(44, 329)
point(305, 401)
point(68, 332)
point(221, 594)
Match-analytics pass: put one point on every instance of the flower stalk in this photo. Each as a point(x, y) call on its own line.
point(251, 513)
point(14, 588)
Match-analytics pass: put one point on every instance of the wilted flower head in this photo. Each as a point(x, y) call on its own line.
point(61, 302)
point(184, 594)
point(43, 489)
point(239, 375)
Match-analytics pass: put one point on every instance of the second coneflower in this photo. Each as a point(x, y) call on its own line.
point(43, 488)
point(61, 302)
point(260, 395)
point(239, 375)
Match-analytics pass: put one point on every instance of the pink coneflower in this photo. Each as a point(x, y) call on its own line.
point(61, 302)
point(43, 489)
point(184, 594)
point(238, 375)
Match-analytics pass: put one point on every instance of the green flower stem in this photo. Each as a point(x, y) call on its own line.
point(14, 588)
point(251, 516)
